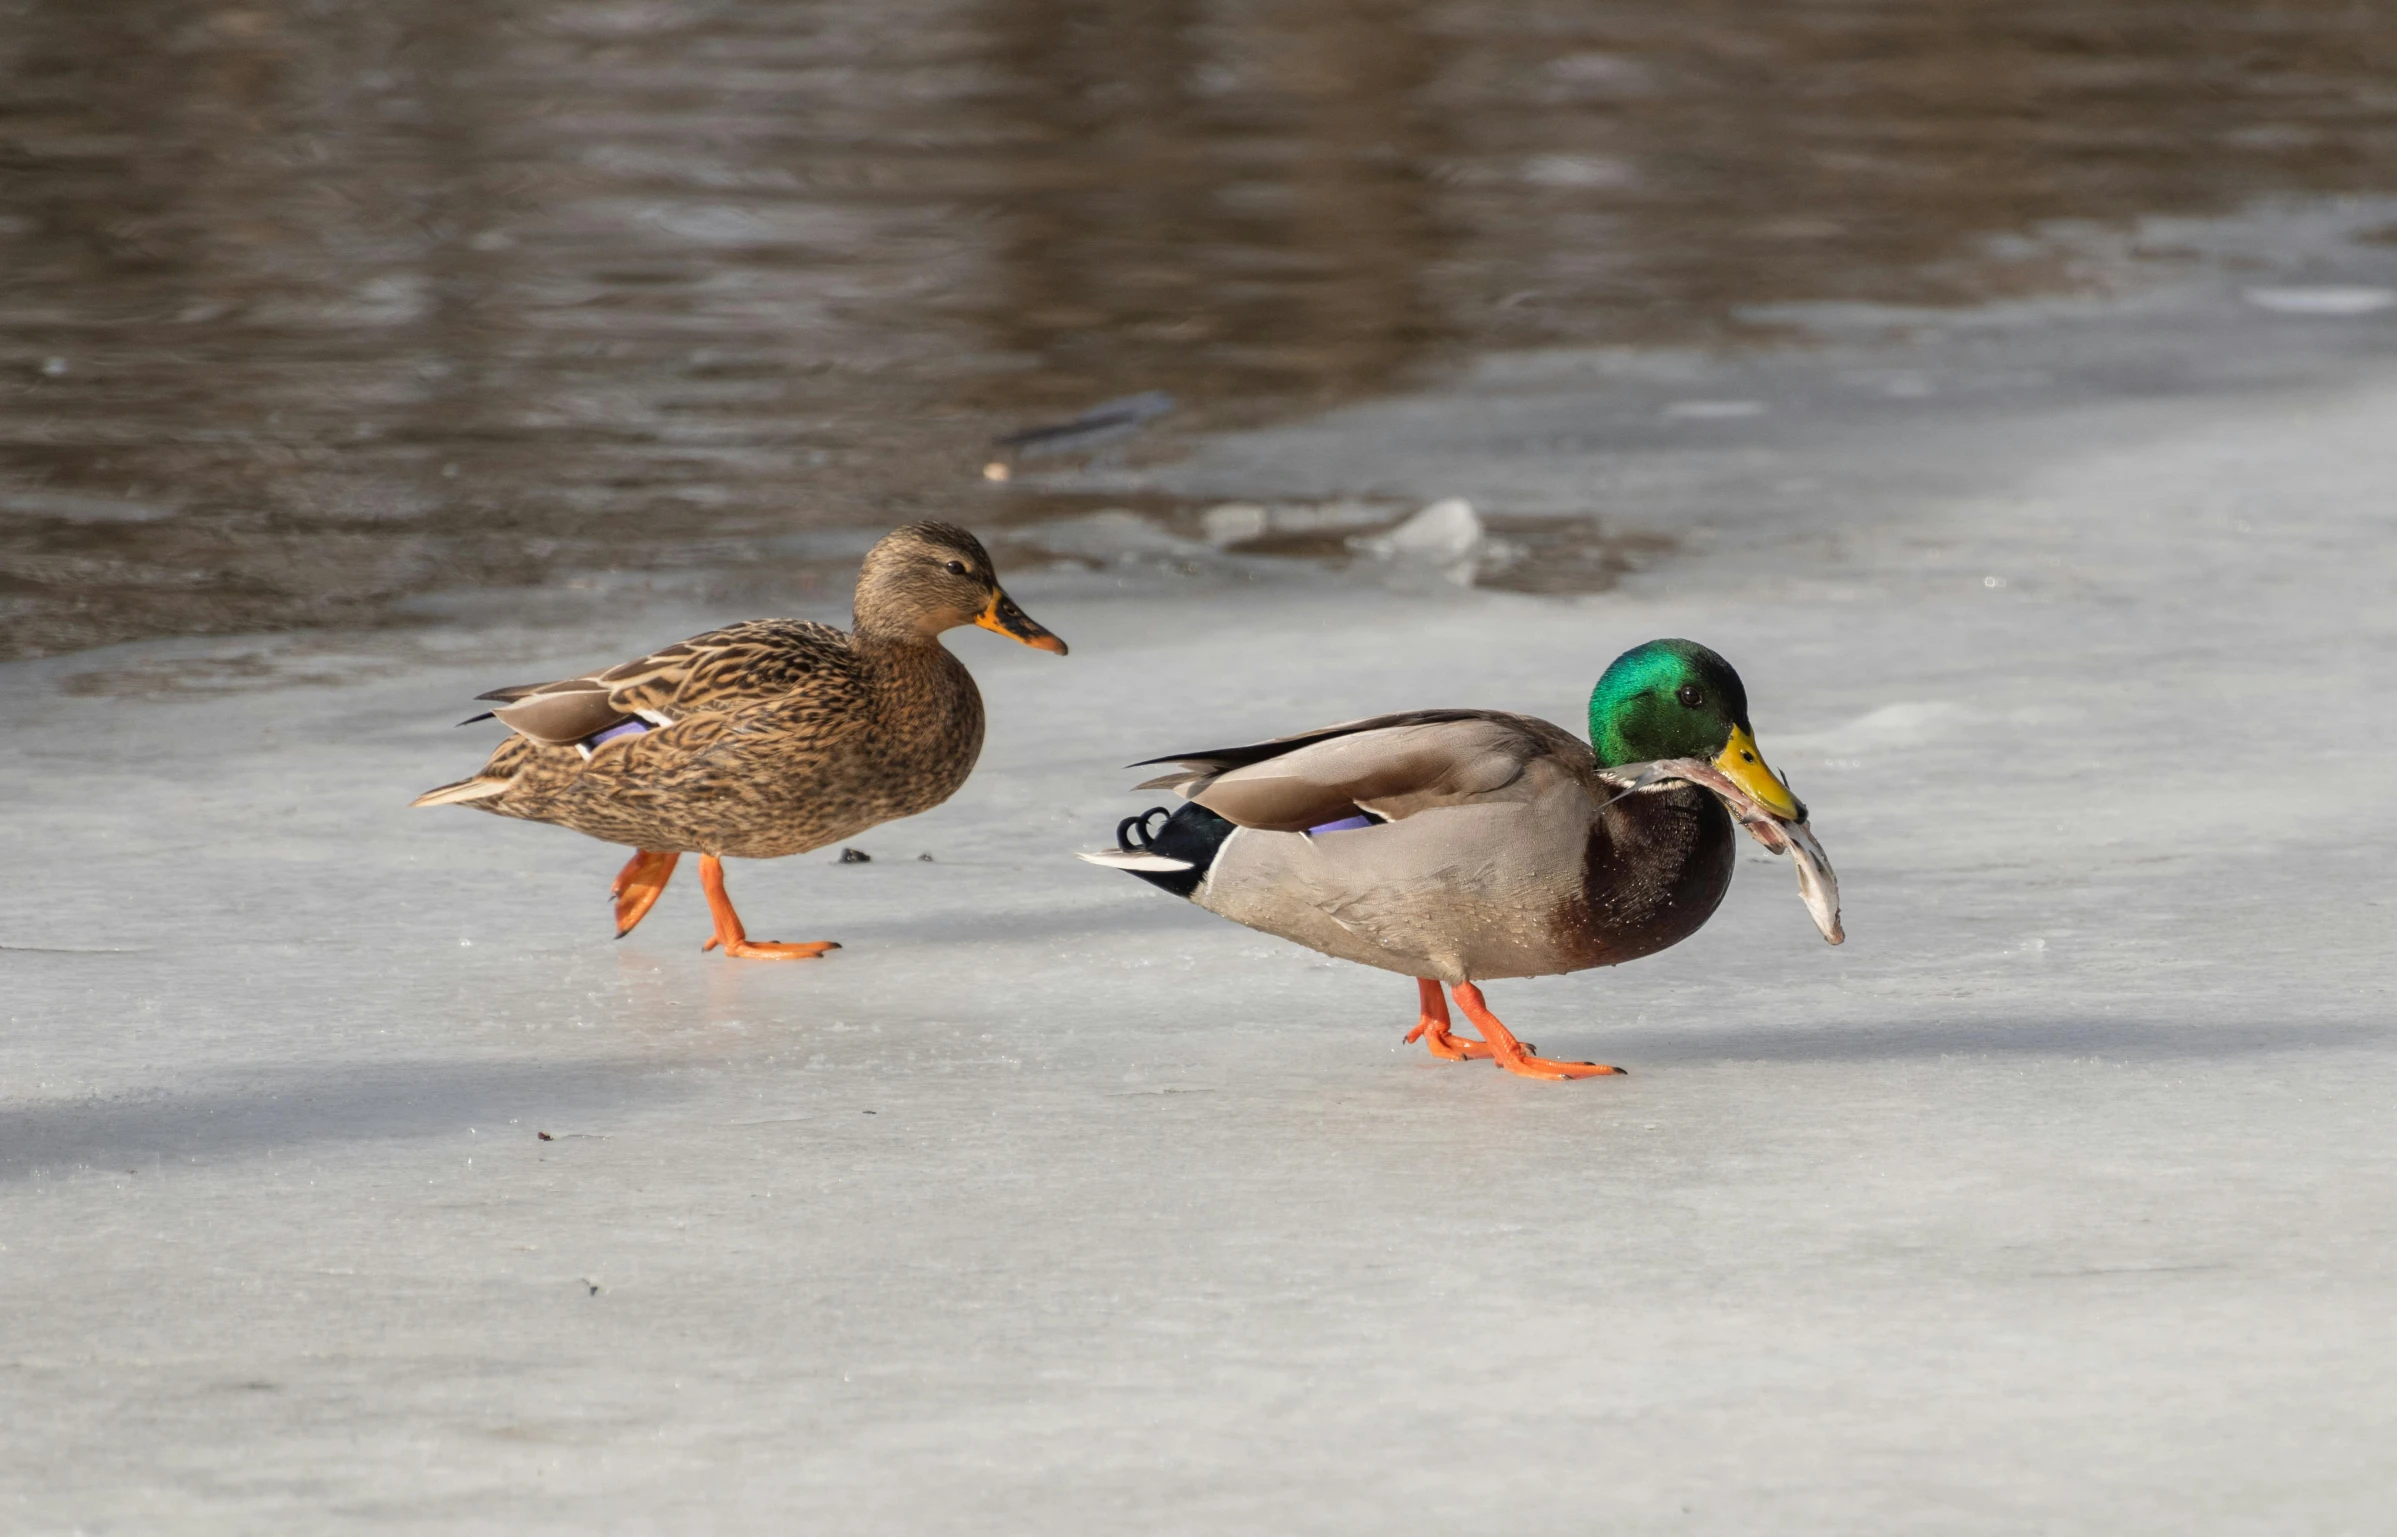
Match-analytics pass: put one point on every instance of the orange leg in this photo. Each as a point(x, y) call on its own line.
point(733, 937)
point(1512, 1054)
point(1433, 1023)
point(639, 885)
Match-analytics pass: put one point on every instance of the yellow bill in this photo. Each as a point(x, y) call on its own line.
point(1742, 762)
point(1006, 619)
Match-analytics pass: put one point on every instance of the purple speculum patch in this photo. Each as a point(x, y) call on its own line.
point(628, 728)
point(1345, 824)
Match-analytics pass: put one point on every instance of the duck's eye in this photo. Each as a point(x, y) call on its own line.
point(1691, 695)
point(957, 568)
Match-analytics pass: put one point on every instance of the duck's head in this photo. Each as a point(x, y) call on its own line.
point(929, 577)
point(1676, 699)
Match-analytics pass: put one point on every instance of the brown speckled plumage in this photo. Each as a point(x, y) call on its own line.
point(813, 740)
point(770, 737)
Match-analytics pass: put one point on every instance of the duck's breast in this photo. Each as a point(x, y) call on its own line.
point(931, 726)
point(1655, 866)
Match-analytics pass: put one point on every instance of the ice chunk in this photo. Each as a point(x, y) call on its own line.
point(1234, 523)
point(1445, 531)
point(1115, 536)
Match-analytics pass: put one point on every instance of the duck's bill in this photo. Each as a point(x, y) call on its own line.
point(1012, 622)
point(1742, 762)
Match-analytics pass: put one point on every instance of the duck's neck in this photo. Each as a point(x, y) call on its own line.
point(904, 655)
point(876, 624)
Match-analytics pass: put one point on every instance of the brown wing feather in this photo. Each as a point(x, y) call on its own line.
point(758, 779)
point(720, 670)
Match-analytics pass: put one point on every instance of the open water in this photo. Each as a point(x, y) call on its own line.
point(310, 307)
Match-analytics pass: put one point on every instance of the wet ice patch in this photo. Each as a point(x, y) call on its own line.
point(78, 507)
point(1712, 410)
point(1577, 171)
point(1294, 524)
point(2329, 300)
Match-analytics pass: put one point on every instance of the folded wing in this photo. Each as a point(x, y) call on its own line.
point(720, 670)
point(1391, 765)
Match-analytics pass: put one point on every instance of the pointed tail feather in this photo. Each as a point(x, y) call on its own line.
point(1171, 849)
point(1135, 859)
point(463, 791)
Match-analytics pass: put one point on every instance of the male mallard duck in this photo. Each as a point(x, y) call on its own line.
point(1458, 846)
point(761, 739)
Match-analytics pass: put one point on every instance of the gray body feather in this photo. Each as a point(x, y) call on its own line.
point(1506, 851)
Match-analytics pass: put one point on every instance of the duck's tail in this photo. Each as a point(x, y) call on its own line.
point(1175, 855)
point(465, 790)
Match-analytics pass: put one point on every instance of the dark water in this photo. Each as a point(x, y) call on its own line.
point(308, 305)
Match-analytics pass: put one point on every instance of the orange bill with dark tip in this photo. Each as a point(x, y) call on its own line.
point(1004, 617)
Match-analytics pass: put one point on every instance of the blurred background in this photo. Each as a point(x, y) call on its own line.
point(311, 307)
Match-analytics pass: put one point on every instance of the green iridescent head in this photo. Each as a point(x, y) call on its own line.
point(1676, 699)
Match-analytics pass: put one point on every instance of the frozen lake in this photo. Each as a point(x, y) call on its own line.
point(2062, 1198)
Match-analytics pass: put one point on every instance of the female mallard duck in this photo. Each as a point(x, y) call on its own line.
point(761, 739)
point(1458, 846)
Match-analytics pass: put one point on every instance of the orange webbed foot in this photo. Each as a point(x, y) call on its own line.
point(1514, 1055)
point(734, 937)
point(1530, 1066)
point(1457, 1048)
point(639, 885)
point(771, 950)
point(1433, 1017)
point(1432, 1027)
point(1441, 1042)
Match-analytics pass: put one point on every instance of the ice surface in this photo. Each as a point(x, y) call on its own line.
point(2062, 1198)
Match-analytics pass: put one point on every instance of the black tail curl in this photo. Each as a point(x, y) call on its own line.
point(1192, 834)
point(1133, 835)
